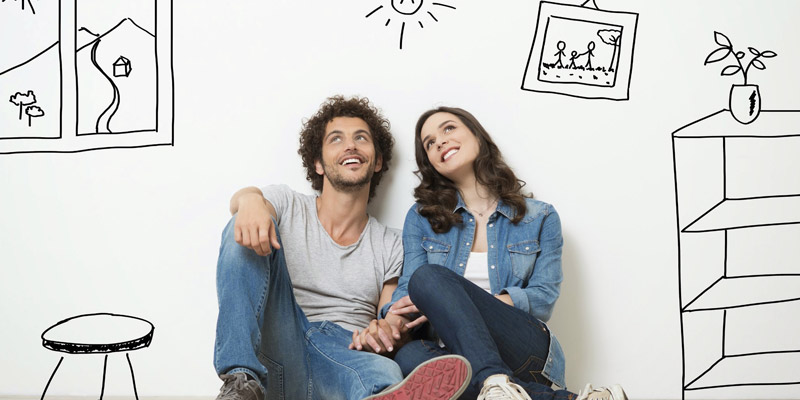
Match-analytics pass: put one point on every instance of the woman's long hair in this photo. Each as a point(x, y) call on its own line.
point(438, 195)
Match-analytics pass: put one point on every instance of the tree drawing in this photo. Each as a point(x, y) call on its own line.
point(23, 5)
point(23, 100)
point(610, 37)
point(33, 112)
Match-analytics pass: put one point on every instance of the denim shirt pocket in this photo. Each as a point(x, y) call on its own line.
point(523, 257)
point(437, 251)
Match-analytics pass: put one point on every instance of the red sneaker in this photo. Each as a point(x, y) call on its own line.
point(440, 378)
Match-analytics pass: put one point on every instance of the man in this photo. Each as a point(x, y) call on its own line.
point(287, 338)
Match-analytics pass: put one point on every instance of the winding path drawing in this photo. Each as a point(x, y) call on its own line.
point(117, 69)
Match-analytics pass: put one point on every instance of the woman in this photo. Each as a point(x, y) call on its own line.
point(482, 265)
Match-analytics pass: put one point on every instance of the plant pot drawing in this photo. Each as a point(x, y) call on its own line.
point(745, 103)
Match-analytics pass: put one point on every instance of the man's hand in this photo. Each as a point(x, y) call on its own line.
point(379, 337)
point(406, 306)
point(254, 228)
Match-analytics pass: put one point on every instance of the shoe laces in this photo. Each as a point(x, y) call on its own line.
point(589, 393)
point(503, 391)
point(235, 387)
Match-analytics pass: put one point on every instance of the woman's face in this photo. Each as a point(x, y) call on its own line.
point(451, 147)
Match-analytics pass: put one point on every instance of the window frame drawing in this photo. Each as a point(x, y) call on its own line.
point(69, 138)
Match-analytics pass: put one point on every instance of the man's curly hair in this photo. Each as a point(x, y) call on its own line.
point(338, 106)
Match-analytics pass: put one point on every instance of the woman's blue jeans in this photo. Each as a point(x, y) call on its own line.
point(262, 331)
point(494, 337)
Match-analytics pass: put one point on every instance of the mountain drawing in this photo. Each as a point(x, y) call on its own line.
point(117, 79)
point(41, 76)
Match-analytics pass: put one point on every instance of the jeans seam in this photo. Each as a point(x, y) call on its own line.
point(324, 354)
point(262, 305)
point(429, 348)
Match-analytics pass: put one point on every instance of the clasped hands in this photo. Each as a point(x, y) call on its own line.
point(388, 334)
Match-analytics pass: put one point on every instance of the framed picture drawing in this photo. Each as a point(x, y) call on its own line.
point(581, 51)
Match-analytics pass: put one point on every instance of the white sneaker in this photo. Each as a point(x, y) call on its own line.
point(613, 392)
point(498, 387)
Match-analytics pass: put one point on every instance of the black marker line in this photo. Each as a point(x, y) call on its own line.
point(374, 11)
point(133, 378)
point(444, 5)
point(51, 377)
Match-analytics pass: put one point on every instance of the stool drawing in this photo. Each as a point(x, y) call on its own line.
point(99, 333)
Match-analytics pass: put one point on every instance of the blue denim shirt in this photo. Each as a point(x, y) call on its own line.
point(524, 260)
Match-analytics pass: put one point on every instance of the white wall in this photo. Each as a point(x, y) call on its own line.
point(135, 231)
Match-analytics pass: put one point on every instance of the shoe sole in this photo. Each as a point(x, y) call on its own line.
point(440, 378)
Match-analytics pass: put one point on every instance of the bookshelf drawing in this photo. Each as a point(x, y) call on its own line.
point(737, 191)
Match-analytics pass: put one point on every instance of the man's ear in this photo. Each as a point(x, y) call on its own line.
point(318, 168)
point(379, 164)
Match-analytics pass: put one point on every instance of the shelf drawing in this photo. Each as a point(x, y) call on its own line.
point(737, 193)
point(113, 90)
point(410, 11)
point(581, 51)
point(760, 371)
point(747, 291)
point(749, 213)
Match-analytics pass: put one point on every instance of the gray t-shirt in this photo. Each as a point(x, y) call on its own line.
point(341, 284)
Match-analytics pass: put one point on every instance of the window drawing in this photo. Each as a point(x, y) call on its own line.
point(112, 90)
point(30, 71)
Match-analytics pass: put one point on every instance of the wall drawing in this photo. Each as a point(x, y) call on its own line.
point(415, 12)
point(113, 90)
point(738, 220)
point(22, 5)
point(99, 333)
point(581, 51)
point(30, 71)
point(744, 99)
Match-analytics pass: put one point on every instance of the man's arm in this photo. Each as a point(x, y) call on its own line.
point(254, 227)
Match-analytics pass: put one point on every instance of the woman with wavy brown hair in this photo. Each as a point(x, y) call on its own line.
point(482, 267)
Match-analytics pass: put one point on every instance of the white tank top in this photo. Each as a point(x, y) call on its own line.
point(477, 270)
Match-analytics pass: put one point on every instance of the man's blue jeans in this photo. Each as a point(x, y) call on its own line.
point(262, 331)
point(493, 336)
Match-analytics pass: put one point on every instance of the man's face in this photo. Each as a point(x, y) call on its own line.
point(348, 154)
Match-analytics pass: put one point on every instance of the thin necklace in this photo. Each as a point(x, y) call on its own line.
point(480, 214)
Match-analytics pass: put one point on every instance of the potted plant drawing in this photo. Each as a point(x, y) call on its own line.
point(744, 100)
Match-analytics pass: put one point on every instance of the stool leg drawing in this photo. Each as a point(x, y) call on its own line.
point(103, 387)
point(51, 377)
point(103, 384)
point(133, 378)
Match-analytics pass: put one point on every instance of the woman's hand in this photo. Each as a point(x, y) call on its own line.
point(505, 298)
point(379, 337)
point(406, 306)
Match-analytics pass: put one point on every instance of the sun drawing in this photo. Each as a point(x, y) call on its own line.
point(409, 10)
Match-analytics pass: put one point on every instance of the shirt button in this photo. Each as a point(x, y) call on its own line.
point(491, 246)
point(527, 248)
point(491, 225)
point(431, 247)
point(470, 220)
point(492, 267)
point(461, 265)
point(467, 243)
